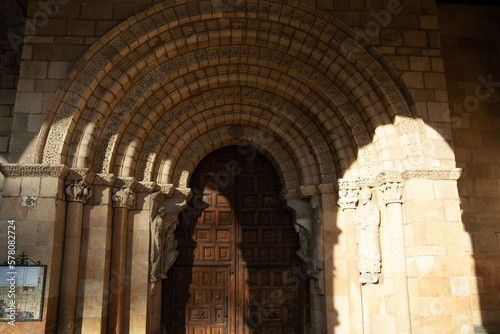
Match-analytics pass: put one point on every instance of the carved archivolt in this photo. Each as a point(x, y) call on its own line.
point(127, 40)
point(194, 153)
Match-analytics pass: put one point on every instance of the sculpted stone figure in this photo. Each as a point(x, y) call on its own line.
point(304, 229)
point(367, 220)
point(170, 252)
point(163, 245)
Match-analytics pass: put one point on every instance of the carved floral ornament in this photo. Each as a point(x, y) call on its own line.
point(390, 184)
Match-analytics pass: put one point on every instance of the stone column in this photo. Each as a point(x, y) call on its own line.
point(392, 191)
point(78, 192)
point(95, 258)
point(348, 197)
point(123, 199)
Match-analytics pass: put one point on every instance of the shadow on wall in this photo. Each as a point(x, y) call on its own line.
point(470, 47)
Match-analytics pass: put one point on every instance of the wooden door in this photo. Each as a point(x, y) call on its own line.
point(237, 270)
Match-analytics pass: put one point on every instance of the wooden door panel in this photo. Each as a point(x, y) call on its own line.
point(237, 264)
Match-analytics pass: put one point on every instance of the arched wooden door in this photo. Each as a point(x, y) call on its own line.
point(237, 269)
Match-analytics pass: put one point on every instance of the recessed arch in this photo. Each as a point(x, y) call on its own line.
point(164, 62)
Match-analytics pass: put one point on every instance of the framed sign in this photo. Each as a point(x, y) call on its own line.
point(22, 292)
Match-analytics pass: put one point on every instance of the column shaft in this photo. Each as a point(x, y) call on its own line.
point(400, 279)
point(71, 262)
point(117, 286)
point(355, 305)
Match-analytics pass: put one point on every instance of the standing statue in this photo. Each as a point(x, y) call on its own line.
point(367, 220)
point(303, 227)
point(170, 251)
point(157, 236)
point(163, 245)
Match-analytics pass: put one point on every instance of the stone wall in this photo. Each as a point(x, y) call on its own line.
point(471, 48)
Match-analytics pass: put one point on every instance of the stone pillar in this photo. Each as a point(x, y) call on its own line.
point(123, 199)
point(392, 192)
point(95, 258)
point(348, 197)
point(78, 192)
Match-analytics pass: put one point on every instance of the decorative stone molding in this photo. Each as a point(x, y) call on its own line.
point(34, 170)
point(432, 174)
point(391, 184)
point(78, 191)
point(348, 194)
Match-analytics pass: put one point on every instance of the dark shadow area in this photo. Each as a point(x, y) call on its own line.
point(470, 38)
point(237, 267)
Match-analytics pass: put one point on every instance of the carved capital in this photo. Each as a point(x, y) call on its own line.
point(78, 191)
point(392, 192)
point(348, 194)
point(123, 198)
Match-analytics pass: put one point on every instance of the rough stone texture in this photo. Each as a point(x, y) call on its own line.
point(470, 45)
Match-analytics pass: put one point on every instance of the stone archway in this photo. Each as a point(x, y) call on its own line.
point(170, 85)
